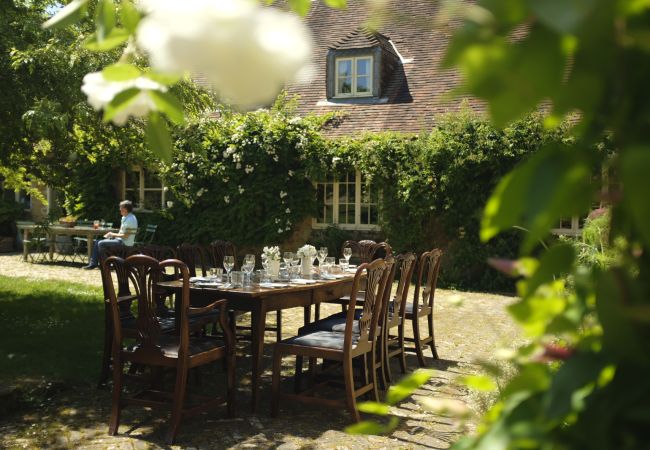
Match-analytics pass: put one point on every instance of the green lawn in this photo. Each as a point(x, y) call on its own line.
point(49, 329)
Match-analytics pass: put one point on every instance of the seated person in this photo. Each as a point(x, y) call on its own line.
point(125, 236)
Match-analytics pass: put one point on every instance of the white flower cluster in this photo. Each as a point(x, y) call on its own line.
point(246, 51)
point(101, 92)
point(306, 251)
point(272, 253)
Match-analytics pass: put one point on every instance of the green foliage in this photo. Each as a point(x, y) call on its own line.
point(242, 178)
point(582, 380)
point(10, 211)
point(434, 186)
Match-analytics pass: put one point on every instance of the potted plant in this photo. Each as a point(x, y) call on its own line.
point(9, 212)
point(68, 221)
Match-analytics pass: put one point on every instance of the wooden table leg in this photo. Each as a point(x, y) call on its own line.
point(91, 243)
point(307, 315)
point(25, 239)
point(258, 327)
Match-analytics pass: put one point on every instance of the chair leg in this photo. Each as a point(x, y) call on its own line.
point(275, 387)
point(179, 402)
point(316, 312)
point(373, 374)
point(116, 405)
point(278, 321)
point(231, 396)
point(400, 342)
point(417, 340)
point(350, 399)
point(297, 379)
point(106, 356)
point(434, 351)
point(386, 367)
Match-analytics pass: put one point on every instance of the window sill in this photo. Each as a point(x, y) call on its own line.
point(345, 226)
point(334, 101)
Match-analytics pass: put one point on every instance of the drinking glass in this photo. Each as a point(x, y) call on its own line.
point(216, 273)
point(329, 262)
point(248, 266)
point(288, 257)
point(322, 254)
point(237, 278)
point(347, 254)
point(95, 224)
point(228, 264)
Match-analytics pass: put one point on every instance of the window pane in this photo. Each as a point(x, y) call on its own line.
point(363, 85)
point(329, 214)
point(352, 192)
point(152, 199)
point(351, 212)
point(374, 215)
point(132, 195)
point(343, 193)
point(151, 180)
point(132, 179)
point(363, 66)
point(329, 194)
point(345, 86)
point(344, 68)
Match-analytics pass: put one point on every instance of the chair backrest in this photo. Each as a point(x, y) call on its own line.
point(196, 257)
point(159, 252)
point(149, 233)
point(144, 274)
point(115, 275)
point(220, 248)
point(377, 273)
point(405, 263)
point(122, 251)
point(368, 250)
point(427, 278)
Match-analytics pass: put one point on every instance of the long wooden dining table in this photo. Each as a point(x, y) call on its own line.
point(57, 230)
point(259, 301)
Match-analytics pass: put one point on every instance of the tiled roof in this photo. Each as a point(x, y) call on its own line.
point(414, 95)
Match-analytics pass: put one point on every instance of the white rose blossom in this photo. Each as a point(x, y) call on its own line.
point(226, 198)
point(101, 92)
point(230, 42)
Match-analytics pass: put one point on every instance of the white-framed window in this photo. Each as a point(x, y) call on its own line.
point(144, 189)
point(347, 202)
point(353, 77)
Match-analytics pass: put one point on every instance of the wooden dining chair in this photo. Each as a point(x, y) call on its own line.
point(395, 315)
point(196, 257)
point(363, 251)
point(422, 306)
point(356, 342)
point(158, 350)
point(115, 275)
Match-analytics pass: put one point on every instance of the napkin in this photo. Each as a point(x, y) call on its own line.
point(331, 276)
point(273, 285)
point(303, 281)
point(199, 279)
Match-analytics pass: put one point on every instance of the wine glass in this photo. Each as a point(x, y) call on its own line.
point(265, 261)
point(249, 265)
point(347, 254)
point(288, 257)
point(228, 264)
point(322, 254)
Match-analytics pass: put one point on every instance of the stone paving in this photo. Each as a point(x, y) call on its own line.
point(469, 327)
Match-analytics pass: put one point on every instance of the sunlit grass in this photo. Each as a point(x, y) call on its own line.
point(49, 329)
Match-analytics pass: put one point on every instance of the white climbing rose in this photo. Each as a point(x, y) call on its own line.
point(245, 50)
point(100, 93)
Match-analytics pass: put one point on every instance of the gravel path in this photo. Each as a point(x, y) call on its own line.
point(469, 327)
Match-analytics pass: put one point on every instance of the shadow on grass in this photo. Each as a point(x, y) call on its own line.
point(51, 341)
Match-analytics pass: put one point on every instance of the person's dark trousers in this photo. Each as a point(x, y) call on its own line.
point(99, 246)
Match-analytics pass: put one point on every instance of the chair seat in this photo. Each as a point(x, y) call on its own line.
point(170, 345)
point(335, 322)
point(323, 339)
point(167, 324)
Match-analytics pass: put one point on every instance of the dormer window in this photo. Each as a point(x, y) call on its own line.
point(354, 76)
point(360, 67)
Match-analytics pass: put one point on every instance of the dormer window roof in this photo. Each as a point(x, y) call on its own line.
point(360, 65)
